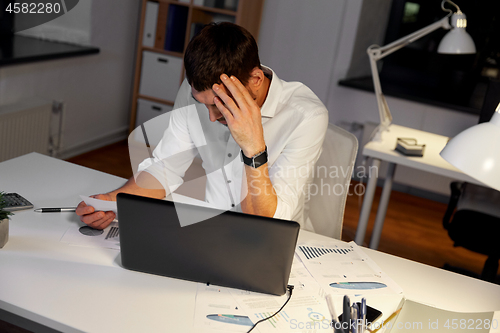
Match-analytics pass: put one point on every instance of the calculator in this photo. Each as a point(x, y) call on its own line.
point(14, 201)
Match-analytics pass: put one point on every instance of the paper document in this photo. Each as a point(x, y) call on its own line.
point(220, 309)
point(84, 235)
point(102, 205)
point(216, 310)
point(415, 317)
point(344, 269)
point(305, 312)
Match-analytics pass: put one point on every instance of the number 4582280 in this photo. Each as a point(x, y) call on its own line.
point(33, 8)
point(471, 324)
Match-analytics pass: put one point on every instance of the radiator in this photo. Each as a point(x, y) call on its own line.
point(25, 128)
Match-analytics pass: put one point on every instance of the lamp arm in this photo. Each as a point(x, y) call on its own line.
point(383, 108)
point(376, 53)
point(383, 51)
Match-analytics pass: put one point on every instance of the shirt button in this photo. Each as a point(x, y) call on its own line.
point(229, 155)
point(232, 205)
point(228, 181)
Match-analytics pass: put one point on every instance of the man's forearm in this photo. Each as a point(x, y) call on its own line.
point(146, 185)
point(261, 198)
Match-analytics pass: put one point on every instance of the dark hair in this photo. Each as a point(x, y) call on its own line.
point(220, 48)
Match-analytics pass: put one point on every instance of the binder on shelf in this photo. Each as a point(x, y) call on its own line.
point(218, 3)
point(176, 28)
point(221, 4)
point(195, 29)
point(161, 24)
point(231, 4)
point(150, 20)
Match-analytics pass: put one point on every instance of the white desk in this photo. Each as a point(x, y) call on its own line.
point(75, 289)
point(384, 151)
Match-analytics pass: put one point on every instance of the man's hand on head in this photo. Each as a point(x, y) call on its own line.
point(242, 115)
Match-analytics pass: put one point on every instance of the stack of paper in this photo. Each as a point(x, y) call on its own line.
point(318, 269)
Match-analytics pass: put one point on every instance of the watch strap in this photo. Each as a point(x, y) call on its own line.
point(255, 161)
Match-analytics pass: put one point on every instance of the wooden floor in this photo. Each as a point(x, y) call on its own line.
point(413, 226)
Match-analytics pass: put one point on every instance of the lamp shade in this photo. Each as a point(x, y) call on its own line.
point(476, 152)
point(457, 40)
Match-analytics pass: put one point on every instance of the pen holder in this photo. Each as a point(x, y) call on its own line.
point(4, 232)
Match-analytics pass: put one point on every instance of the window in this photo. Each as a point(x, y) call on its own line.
point(418, 72)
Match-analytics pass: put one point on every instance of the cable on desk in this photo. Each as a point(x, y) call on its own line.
point(290, 288)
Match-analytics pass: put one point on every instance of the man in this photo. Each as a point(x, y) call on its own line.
point(231, 105)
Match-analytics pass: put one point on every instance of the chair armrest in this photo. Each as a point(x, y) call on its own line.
point(456, 191)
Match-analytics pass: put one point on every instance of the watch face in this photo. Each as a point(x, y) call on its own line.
point(260, 160)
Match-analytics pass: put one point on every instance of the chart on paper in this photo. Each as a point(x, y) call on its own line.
point(280, 322)
point(311, 252)
point(87, 236)
point(311, 320)
point(345, 269)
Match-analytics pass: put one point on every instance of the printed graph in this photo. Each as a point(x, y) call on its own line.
point(281, 320)
point(312, 252)
point(113, 232)
point(88, 231)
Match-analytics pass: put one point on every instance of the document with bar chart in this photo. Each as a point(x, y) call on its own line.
point(345, 269)
point(83, 235)
point(216, 311)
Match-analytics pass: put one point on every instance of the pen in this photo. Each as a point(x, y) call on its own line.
point(337, 327)
point(346, 314)
point(55, 210)
point(391, 317)
point(362, 313)
point(354, 318)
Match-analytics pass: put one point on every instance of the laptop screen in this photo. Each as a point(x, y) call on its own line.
point(217, 247)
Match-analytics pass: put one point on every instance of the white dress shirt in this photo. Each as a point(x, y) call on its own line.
point(294, 122)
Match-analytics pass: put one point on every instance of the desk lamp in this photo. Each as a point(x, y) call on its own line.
point(456, 41)
point(476, 151)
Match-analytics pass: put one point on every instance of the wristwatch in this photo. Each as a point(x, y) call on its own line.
point(256, 160)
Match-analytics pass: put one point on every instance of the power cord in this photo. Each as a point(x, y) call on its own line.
point(290, 288)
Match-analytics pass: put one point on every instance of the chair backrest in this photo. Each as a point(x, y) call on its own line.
point(480, 199)
point(330, 185)
point(491, 100)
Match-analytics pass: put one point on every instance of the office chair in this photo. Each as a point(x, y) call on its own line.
point(475, 225)
point(326, 208)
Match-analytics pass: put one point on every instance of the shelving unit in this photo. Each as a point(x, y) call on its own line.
point(166, 28)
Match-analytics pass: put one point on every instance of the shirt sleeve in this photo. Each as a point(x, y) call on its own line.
point(176, 150)
point(292, 171)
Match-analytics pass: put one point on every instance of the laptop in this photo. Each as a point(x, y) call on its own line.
point(229, 249)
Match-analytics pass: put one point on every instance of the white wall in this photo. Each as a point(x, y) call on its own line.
point(313, 41)
point(96, 89)
point(299, 39)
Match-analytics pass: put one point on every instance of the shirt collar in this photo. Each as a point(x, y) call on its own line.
point(270, 105)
